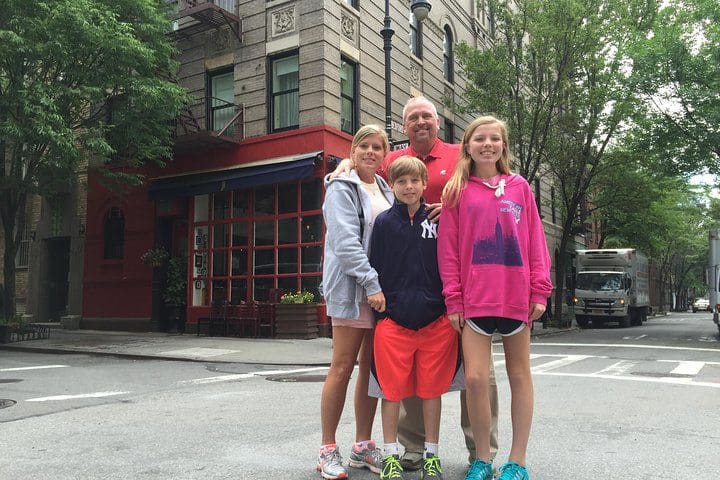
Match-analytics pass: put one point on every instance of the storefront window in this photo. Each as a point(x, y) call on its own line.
point(250, 241)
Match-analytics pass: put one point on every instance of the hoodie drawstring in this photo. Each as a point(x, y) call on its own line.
point(499, 188)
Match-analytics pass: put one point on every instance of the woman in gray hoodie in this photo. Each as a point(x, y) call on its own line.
point(351, 290)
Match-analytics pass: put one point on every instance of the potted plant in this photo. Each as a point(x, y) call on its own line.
point(175, 291)
point(296, 316)
point(155, 256)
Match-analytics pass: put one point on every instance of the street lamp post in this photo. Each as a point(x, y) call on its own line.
point(419, 8)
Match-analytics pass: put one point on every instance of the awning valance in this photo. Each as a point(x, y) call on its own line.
point(297, 167)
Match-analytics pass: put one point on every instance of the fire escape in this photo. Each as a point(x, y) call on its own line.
point(209, 122)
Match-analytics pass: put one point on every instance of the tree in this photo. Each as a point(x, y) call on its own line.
point(679, 77)
point(81, 82)
point(558, 74)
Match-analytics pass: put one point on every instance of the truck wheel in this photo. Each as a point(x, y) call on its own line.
point(643, 316)
point(635, 318)
point(581, 321)
point(626, 321)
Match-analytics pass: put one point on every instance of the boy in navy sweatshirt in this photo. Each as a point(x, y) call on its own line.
point(415, 347)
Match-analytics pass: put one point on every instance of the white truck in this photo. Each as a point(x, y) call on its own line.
point(611, 286)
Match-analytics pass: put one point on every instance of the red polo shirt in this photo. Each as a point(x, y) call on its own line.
point(440, 163)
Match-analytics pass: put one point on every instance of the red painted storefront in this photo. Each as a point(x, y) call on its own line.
point(239, 243)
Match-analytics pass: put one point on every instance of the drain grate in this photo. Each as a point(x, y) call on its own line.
point(10, 380)
point(4, 403)
point(296, 378)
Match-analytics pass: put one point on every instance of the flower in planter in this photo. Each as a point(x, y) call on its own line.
point(155, 256)
point(305, 296)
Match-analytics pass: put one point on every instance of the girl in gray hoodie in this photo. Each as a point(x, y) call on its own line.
point(351, 290)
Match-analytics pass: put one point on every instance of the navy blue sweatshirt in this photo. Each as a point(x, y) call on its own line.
point(404, 253)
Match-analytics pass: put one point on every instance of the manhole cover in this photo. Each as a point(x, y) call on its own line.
point(4, 403)
point(10, 380)
point(296, 378)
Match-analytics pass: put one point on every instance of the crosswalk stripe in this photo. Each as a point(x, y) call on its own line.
point(688, 368)
point(617, 368)
point(73, 397)
point(561, 362)
point(38, 367)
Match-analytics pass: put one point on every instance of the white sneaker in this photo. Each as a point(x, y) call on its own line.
point(330, 463)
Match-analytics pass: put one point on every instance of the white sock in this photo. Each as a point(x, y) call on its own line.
point(391, 449)
point(363, 444)
point(431, 448)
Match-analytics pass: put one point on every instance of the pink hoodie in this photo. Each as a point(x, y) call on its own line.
point(492, 252)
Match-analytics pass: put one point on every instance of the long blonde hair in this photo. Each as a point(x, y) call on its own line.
point(464, 165)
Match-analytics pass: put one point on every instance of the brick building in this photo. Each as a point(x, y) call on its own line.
point(279, 88)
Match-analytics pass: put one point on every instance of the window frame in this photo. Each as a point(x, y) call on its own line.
point(209, 95)
point(416, 37)
point(354, 100)
point(271, 94)
point(448, 55)
point(114, 248)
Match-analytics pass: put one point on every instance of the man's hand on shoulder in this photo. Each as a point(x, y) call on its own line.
point(434, 210)
point(346, 166)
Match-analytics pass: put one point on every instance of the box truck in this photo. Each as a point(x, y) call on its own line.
point(713, 275)
point(611, 286)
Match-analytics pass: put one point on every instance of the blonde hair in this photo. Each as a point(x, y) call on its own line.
point(368, 130)
point(407, 165)
point(464, 165)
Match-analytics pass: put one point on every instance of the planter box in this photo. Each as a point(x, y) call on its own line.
point(296, 320)
point(28, 332)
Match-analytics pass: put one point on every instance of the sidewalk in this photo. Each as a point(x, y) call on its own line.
point(192, 348)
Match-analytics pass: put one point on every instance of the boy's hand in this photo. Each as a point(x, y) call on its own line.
point(345, 167)
point(536, 311)
point(457, 320)
point(434, 210)
point(377, 301)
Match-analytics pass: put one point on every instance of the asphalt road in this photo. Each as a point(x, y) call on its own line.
point(641, 403)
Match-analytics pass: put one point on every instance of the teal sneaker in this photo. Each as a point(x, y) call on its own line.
point(431, 468)
point(391, 467)
point(513, 471)
point(479, 470)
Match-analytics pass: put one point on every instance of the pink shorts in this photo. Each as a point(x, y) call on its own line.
point(366, 320)
point(415, 362)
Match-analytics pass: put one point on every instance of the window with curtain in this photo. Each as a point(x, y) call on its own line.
point(114, 234)
point(284, 93)
point(221, 100)
point(415, 36)
point(348, 96)
point(448, 57)
point(352, 3)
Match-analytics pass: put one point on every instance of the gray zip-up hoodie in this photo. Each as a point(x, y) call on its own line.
point(347, 275)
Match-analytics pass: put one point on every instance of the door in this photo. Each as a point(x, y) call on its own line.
point(58, 282)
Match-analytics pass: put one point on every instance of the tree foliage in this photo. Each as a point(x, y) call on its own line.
point(81, 82)
point(558, 73)
point(679, 78)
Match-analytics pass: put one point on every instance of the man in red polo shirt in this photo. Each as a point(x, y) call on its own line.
point(421, 124)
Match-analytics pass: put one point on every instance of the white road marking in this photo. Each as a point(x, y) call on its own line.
point(617, 368)
point(73, 397)
point(668, 380)
point(38, 367)
point(626, 345)
point(240, 376)
point(559, 363)
point(686, 367)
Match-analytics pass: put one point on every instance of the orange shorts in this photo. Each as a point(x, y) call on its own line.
point(415, 362)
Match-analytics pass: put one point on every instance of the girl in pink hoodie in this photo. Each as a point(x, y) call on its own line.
point(495, 269)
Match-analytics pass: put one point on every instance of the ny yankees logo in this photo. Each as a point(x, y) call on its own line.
point(429, 229)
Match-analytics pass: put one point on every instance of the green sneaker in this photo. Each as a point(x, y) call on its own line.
point(513, 471)
point(431, 468)
point(391, 467)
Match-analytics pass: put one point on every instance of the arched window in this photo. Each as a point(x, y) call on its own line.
point(416, 34)
point(448, 57)
point(114, 234)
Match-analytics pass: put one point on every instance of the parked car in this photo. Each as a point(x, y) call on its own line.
point(701, 304)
